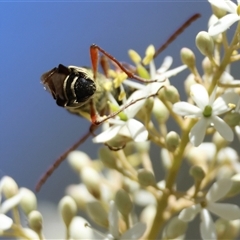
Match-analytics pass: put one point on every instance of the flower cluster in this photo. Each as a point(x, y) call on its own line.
point(124, 174)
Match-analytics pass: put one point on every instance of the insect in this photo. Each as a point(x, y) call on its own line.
point(80, 91)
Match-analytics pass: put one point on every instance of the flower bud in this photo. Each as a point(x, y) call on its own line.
point(232, 119)
point(197, 173)
point(35, 221)
point(80, 194)
point(78, 160)
point(188, 57)
point(205, 43)
point(130, 185)
point(207, 66)
point(142, 147)
point(91, 178)
point(165, 158)
point(147, 214)
point(29, 234)
point(68, 209)
point(160, 111)
point(107, 158)
point(175, 228)
point(123, 202)
point(227, 229)
point(146, 178)
point(219, 141)
point(218, 12)
point(190, 80)
point(9, 187)
point(28, 201)
point(97, 213)
point(79, 230)
point(235, 188)
point(172, 141)
point(171, 94)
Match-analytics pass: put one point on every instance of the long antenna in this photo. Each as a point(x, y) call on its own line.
point(177, 33)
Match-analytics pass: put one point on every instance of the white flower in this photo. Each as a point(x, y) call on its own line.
point(207, 110)
point(225, 22)
point(224, 210)
point(131, 128)
point(161, 73)
point(5, 221)
point(133, 233)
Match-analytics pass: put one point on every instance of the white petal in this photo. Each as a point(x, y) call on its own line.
point(220, 105)
point(153, 88)
point(223, 24)
point(188, 214)
point(29, 233)
point(167, 62)
point(219, 189)
point(207, 227)
point(199, 95)
point(198, 132)
point(135, 232)
point(237, 130)
point(228, 6)
point(223, 128)
point(107, 135)
point(137, 130)
point(213, 96)
point(11, 202)
point(152, 69)
point(171, 73)
point(5, 222)
point(212, 20)
point(147, 91)
point(113, 220)
point(225, 210)
point(186, 109)
point(133, 109)
point(144, 198)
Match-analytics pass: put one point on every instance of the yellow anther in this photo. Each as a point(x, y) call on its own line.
point(121, 96)
point(134, 56)
point(112, 73)
point(150, 51)
point(119, 79)
point(108, 86)
point(232, 106)
point(142, 72)
point(115, 108)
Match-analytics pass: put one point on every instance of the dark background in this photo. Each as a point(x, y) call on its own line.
point(37, 36)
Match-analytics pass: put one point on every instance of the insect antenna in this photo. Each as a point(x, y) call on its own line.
point(59, 160)
point(177, 33)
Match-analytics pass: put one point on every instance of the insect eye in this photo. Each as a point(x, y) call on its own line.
point(84, 88)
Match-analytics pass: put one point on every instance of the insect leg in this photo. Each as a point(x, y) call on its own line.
point(94, 57)
point(57, 162)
